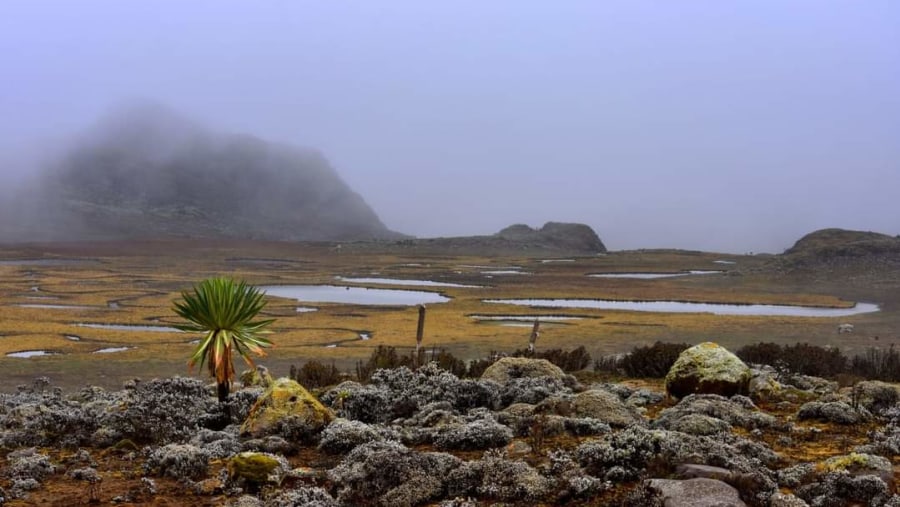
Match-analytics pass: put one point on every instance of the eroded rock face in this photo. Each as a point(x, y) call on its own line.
point(708, 368)
point(509, 368)
point(288, 410)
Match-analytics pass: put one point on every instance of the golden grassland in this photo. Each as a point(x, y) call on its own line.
point(135, 283)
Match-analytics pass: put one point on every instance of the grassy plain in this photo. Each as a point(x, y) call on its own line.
point(136, 282)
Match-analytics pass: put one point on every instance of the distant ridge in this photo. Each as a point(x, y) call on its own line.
point(147, 172)
point(830, 249)
point(554, 238)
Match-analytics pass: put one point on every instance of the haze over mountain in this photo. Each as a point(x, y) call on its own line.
point(146, 172)
point(720, 126)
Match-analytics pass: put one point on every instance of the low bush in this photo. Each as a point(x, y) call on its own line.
point(315, 374)
point(653, 361)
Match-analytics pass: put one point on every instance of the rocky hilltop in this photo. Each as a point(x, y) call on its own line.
point(554, 238)
point(147, 172)
point(841, 249)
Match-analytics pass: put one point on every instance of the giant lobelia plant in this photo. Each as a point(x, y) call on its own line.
point(224, 310)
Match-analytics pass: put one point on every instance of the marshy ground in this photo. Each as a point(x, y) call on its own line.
point(48, 293)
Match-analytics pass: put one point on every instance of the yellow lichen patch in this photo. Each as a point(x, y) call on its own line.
point(252, 467)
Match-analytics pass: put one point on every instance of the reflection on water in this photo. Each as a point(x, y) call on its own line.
point(404, 281)
point(29, 353)
point(354, 295)
point(131, 327)
point(683, 307)
point(651, 276)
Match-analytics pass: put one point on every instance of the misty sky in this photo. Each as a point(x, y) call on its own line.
point(732, 126)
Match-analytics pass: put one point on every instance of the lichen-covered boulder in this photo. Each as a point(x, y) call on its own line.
point(605, 406)
point(286, 409)
point(256, 468)
point(508, 368)
point(861, 464)
point(707, 368)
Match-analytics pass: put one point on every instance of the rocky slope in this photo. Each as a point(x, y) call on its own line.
point(146, 172)
point(832, 249)
point(524, 434)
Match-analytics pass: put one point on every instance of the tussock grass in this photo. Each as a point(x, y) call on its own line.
point(144, 278)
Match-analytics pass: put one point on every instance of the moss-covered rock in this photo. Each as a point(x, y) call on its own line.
point(288, 410)
point(508, 368)
point(255, 468)
point(707, 368)
point(607, 407)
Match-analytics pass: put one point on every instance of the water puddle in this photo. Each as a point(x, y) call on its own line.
point(306, 309)
point(331, 346)
point(131, 327)
point(52, 307)
point(44, 262)
point(505, 272)
point(684, 307)
point(651, 276)
point(724, 262)
point(30, 353)
point(402, 281)
point(110, 350)
point(365, 336)
point(354, 295)
point(551, 261)
point(526, 318)
point(72, 337)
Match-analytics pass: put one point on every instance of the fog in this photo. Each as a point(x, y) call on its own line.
point(727, 126)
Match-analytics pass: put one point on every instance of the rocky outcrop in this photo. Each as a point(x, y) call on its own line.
point(707, 368)
point(839, 250)
point(288, 410)
point(565, 236)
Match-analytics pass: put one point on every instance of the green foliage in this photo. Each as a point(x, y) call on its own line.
point(224, 310)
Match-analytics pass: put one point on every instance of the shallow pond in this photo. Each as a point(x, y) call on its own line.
point(526, 318)
point(110, 350)
point(306, 309)
point(353, 295)
point(505, 272)
point(651, 276)
point(404, 281)
point(30, 353)
point(44, 262)
point(52, 307)
point(684, 307)
point(132, 327)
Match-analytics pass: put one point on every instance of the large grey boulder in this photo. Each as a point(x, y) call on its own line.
point(700, 492)
point(707, 368)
